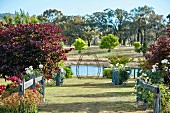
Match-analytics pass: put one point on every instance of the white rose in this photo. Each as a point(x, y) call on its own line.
point(40, 66)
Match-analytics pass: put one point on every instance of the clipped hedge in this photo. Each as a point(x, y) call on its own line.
point(107, 72)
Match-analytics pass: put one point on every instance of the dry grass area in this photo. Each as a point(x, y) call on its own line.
point(90, 96)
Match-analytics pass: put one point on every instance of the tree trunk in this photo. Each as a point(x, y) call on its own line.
point(88, 43)
point(141, 41)
point(138, 35)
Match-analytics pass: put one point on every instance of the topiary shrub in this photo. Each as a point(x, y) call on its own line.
point(137, 45)
point(109, 42)
point(68, 72)
point(107, 72)
point(79, 44)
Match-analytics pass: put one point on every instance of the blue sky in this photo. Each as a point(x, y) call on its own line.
point(81, 7)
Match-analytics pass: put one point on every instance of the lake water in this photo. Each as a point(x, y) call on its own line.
point(90, 70)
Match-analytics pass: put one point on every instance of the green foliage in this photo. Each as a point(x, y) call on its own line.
point(80, 44)
point(62, 44)
point(119, 59)
point(107, 72)
point(34, 20)
point(68, 72)
point(124, 75)
point(137, 45)
point(165, 98)
point(109, 42)
point(148, 97)
point(143, 48)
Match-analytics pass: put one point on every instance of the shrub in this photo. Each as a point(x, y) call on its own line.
point(137, 45)
point(23, 45)
point(68, 72)
point(124, 75)
point(141, 48)
point(107, 72)
point(119, 59)
point(109, 42)
point(27, 103)
point(79, 44)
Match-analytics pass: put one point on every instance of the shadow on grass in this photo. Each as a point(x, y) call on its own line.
point(89, 107)
point(99, 85)
point(99, 95)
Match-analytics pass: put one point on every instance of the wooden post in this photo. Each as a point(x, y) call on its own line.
point(43, 88)
point(58, 77)
point(157, 101)
point(33, 85)
point(137, 92)
point(134, 72)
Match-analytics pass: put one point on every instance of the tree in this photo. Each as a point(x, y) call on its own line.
point(80, 44)
point(109, 42)
point(34, 20)
point(23, 45)
point(53, 15)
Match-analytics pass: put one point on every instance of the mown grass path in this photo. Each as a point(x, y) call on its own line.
point(89, 96)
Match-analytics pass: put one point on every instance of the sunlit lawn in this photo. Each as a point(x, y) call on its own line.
point(89, 96)
point(102, 53)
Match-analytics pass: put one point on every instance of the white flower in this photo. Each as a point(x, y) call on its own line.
point(144, 74)
point(147, 78)
point(40, 66)
point(153, 70)
point(140, 71)
point(164, 61)
point(166, 68)
point(128, 71)
point(157, 64)
point(28, 71)
point(26, 68)
point(154, 66)
point(31, 67)
point(117, 64)
point(121, 65)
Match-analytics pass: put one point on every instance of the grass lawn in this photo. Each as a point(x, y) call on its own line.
point(89, 96)
point(103, 53)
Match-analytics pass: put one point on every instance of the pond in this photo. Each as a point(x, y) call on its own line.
point(87, 70)
point(92, 70)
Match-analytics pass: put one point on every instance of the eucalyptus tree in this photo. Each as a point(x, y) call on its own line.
point(156, 25)
point(168, 17)
point(42, 19)
point(22, 17)
point(53, 15)
point(139, 18)
point(72, 27)
point(8, 19)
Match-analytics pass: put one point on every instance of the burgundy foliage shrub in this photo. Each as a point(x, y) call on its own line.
point(23, 45)
point(158, 51)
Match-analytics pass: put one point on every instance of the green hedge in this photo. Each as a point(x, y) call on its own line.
point(69, 73)
point(107, 72)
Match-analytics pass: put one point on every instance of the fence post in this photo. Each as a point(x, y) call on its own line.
point(21, 87)
point(115, 77)
point(42, 82)
point(137, 92)
point(58, 77)
point(157, 101)
point(134, 73)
